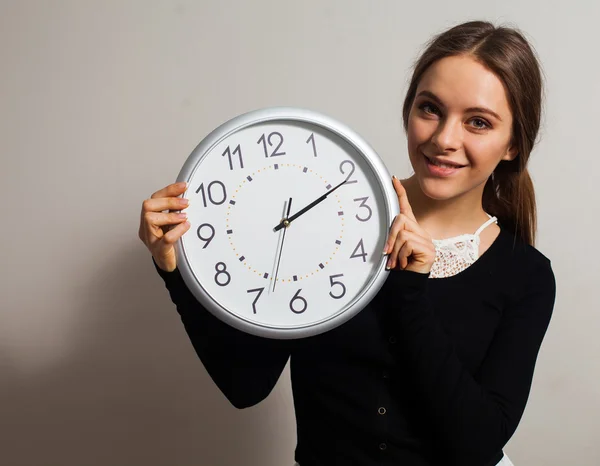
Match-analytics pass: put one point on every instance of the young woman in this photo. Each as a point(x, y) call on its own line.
point(437, 369)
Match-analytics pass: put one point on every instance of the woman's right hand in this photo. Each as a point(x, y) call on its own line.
point(157, 230)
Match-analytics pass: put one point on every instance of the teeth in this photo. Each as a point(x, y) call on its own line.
point(443, 165)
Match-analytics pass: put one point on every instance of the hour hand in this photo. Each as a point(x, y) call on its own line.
point(286, 221)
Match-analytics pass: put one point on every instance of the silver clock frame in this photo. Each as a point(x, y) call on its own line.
point(377, 166)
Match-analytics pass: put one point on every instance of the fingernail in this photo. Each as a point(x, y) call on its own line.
point(394, 176)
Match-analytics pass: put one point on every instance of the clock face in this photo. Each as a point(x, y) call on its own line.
point(288, 223)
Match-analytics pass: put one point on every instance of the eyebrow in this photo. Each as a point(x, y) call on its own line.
point(432, 96)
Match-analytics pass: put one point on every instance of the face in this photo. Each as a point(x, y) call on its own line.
point(460, 115)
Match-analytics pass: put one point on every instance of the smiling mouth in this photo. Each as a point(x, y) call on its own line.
point(442, 165)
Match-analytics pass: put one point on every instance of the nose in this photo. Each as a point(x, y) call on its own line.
point(448, 135)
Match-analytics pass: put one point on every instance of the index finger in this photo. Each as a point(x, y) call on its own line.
point(171, 190)
point(405, 207)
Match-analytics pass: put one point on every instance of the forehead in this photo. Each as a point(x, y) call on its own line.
point(462, 82)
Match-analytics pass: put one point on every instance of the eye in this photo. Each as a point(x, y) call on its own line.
point(480, 123)
point(428, 107)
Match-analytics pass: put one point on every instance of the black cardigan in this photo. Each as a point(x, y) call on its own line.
point(434, 371)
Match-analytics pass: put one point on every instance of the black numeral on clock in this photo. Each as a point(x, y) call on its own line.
point(299, 303)
point(363, 203)
point(256, 290)
point(264, 141)
point(237, 151)
point(311, 139)
point(216, 198)
point(360, 246)
point(221, 269)
point(208, 239)
point(337, 282)
point(352, 168)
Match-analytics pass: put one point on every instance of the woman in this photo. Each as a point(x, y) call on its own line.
point(438, 368)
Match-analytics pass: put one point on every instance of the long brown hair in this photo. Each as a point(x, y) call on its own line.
point(508, 193)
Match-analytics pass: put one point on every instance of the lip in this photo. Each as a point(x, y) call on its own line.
point(434, 170)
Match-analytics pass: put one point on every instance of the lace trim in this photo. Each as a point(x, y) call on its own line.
point(453, 255)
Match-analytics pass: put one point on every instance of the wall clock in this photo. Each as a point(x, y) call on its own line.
point(289, 212)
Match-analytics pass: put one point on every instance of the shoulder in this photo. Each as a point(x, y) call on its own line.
point(522, 256)
point(530, 271)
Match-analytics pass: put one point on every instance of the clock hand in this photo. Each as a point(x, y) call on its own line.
point(286, 221)
point(289, 206)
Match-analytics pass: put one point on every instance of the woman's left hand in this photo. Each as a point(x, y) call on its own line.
point(409, 246)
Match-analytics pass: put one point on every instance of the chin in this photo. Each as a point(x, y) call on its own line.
point(440, 190)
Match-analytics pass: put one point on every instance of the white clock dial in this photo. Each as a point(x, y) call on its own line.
point(289, 221)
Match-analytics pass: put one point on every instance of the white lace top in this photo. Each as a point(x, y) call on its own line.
point(455, 254)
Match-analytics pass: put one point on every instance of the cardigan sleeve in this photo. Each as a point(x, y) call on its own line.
point(244, 367)
point(473, 416)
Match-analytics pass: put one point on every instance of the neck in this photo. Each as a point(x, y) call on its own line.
point(448, 217)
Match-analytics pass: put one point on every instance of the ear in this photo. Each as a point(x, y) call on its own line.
point(511, 153)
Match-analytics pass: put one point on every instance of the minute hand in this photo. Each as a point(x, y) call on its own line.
point(286, 221)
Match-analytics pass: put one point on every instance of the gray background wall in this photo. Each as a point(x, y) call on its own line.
point(102, 102)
